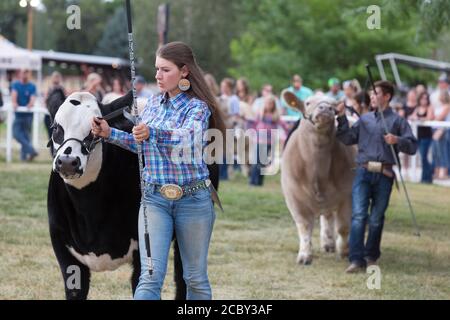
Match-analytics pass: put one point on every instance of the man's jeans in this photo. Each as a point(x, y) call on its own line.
point(192, 218)
point(21, 132)
point(374, 190)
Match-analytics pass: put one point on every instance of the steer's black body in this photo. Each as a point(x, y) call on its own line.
point(101, 218)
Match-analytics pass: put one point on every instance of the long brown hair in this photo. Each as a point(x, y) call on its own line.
point(181, 55)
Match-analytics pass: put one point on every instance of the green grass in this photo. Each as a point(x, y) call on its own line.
point(252, 253)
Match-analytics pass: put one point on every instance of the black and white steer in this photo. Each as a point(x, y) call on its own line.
point(94, 197)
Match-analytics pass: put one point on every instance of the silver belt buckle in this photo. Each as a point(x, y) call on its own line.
point(171, 192)
point(374, 166)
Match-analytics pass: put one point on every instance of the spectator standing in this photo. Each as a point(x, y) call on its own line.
point(116, 92)
point(424, 112)
point(267, 120)
point(243, 91)
point(258, 104)
point(23, 95)
point(231, 103)
point(93, 85)
point(335, 89)
point(302, 92)
point(440, 145)
point(56, 94)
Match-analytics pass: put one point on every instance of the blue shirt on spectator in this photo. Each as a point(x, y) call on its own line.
point(338, 96)
point(303, 94)
point(24, 92)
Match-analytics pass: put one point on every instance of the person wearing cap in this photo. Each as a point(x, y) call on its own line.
point(335, 89)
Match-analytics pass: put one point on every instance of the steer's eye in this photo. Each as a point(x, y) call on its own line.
point(58, 134)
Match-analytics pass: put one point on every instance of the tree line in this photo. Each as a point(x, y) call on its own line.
point(265, 41)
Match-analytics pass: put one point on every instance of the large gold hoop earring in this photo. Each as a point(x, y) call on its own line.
point(184, 84)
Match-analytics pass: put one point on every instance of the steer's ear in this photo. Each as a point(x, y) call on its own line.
point(126, 100)
point(292, 101)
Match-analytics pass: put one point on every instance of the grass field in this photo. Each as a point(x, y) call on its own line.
point(252, 253)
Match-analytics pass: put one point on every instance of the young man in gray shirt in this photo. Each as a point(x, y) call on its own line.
point(374, 177)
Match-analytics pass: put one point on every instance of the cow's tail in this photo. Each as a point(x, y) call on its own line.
point(180, 285)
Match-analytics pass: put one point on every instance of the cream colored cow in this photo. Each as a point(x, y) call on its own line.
point(316, 178)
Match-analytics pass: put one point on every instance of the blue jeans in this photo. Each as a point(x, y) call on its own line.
point(223, 171)
point(374, 190)
point(256, 178)
point(21, 132)
point(192, 218)
point(427, 169)
point(440, 152)
point(448, 149)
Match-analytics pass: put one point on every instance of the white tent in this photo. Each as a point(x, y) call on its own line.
point(13, 57)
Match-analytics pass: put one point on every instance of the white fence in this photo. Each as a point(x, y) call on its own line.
point(38, 110)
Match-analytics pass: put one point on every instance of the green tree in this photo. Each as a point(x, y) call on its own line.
point(114, 41)
point(207, 26)
point(94, 16)
point(11, 17)
point(318, 39)
point(43, 35)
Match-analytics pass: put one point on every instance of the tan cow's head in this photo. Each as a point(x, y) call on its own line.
point(320, 110)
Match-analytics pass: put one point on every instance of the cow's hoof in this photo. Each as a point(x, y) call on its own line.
point(304, 259)
point(329, 248)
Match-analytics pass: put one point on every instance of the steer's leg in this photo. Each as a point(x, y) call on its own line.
point(327, 238)
point(343, 219)
point(136, 270)
point(304, 220)
point(76, 275)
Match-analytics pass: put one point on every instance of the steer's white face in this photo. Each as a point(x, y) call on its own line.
point(322, 111)
point(73, 121)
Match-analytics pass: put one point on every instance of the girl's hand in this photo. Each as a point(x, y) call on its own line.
point(100, 128)
point(141, 132)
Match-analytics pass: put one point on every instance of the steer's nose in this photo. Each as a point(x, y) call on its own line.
point(325, 108)
point(67, 165)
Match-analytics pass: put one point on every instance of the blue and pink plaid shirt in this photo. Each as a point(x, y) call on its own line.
point(173, 153)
